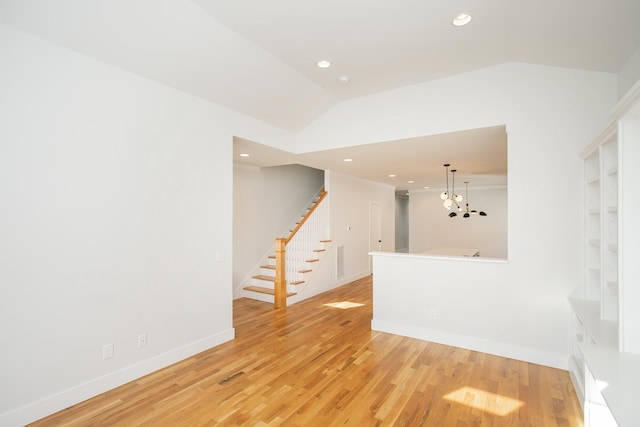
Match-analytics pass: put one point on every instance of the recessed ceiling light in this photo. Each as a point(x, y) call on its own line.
point(410, 182)
point(391, 175)
point(348, 160)
point(343, 80)
point(324, 64)
point(244, 155)
point(425, 188)
point(462, 19)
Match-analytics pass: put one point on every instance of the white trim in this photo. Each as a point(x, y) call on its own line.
point(440, 257)
point(609, 133)
point(66, 398)
point(527, 354)
point(628, 102)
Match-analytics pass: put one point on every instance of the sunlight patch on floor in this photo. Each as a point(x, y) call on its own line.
point(485, 401)
point(343, 304)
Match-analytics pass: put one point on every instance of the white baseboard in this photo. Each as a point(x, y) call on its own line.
point(315, 289)
point(81, 392)
point(497, 348)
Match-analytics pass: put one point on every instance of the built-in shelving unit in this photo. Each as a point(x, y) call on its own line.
point(595, 304)
point(605, 348)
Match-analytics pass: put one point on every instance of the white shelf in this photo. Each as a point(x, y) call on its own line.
point(619, 375)
point(601, 332)
point(594, 180)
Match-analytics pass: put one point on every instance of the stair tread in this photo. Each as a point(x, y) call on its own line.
point(297, 282)
point(270, 267)
point(312, 260)
point(319, 250)
point(305, 271)
point(267, 291)
point(263, 277)
point(325, 241)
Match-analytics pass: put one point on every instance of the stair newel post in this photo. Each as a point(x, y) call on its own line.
point(280, 284)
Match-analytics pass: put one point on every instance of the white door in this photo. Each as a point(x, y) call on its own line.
point(375, 230)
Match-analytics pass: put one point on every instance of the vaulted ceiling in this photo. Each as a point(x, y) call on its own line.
point(259, 57)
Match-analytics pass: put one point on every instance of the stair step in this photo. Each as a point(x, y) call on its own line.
point(263, 277)
point(325, 241)
point(297, 282)
point(319, 250)
point(272, 257)
point(267, 291)
point(270, 267)
point(304, 271)
point(312, 260)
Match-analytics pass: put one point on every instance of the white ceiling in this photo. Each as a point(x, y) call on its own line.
point(258, 56)
point(478, 155)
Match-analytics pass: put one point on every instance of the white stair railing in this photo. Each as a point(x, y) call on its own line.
point(295, 252)
point(301, 246)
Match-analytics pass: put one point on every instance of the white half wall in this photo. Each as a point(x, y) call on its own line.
point(430, 226)
point(470, 303)
point(116, 220)
point(550, 115)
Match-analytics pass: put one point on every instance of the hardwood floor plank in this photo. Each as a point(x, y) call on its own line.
point(318, 365)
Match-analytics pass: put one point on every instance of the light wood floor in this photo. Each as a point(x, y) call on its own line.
point(315, 365)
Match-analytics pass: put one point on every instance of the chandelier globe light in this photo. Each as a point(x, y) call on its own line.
point(449, 199)
point(445, 194)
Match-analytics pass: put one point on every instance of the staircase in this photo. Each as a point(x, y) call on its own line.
point(289, 267)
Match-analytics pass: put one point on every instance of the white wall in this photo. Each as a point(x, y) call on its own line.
point(265, 202)
point(629, 75)
point(349, 200)
point(115, 220)
point(629, 203)
point(550, 114)
point(431, 227)
point(402, 223)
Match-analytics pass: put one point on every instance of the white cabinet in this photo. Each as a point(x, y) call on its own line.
point(605, 349)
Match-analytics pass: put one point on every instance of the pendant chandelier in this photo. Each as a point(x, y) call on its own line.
point(452, 200)
point(449, 199)
point(468, 212)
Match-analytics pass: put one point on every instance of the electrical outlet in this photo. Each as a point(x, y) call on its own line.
point(107, 351)
point(142, 340)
